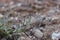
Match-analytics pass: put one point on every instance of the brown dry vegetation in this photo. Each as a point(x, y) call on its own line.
point(33, 20)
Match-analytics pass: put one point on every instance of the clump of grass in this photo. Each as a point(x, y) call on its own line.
point(7, 31)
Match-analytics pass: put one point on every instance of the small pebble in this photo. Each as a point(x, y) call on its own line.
point(37, 33)
point(55, 35)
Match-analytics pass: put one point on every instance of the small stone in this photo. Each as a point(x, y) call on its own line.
point(55, 18)
point(18, 4)
point(16, 18)
point(37, 18)
point(22, 38)
point(41, 28)
point(27, 38)
point(1, 16)
point(11, 3)
point(56, 35)
point(30, 36)
point(11, 18)
point(37, 33)
point(14, 26)
point(33, 20)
